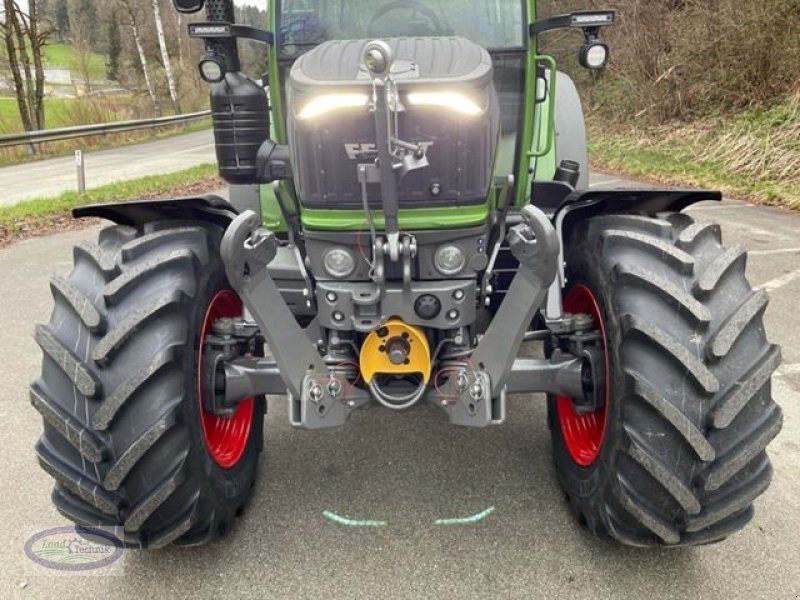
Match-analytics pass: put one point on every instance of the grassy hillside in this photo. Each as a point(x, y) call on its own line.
point(752, 154)
point(63, 55)
point(64, 112)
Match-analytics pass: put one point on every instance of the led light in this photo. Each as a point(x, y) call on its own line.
point(322, 105)
point(211, 71)
point(592, 19)
point(452, 100)
point(594, 55)
point(450, 260)
point(339, 263)
point(196, 30)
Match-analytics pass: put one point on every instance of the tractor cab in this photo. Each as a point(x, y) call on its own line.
point(431, 46)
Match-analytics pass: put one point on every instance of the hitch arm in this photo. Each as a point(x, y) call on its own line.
point(246, 250)
point(535, 244)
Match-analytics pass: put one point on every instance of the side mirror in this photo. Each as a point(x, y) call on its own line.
point(188, 6)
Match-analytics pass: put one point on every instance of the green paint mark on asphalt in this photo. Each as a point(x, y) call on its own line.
point(476, 518)
point(332, 516)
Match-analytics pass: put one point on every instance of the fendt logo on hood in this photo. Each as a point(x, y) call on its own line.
point(369, 150)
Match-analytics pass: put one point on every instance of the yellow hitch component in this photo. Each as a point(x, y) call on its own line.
point(396, 349)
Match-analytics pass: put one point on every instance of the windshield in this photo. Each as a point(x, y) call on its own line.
point(494, 24)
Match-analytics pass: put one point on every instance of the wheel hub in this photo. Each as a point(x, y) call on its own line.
point(225, 432)
point(583, 430)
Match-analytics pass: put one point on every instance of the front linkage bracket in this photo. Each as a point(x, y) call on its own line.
point(475, 390)
point(318, 397)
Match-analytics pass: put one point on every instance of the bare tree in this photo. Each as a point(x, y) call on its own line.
point(179, 39)
point(80, 43)
point(24, 40)
point(38, 38)
point(162, 43)
point(133, 21)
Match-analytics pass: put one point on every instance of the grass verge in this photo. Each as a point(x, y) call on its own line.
point(42, 216)
point(754, 155)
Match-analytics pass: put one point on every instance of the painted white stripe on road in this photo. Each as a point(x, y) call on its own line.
point(780, 282)
point(194, 149)
point(771, 252)
point(788, 369)
point(612, 182)
point(721, 207)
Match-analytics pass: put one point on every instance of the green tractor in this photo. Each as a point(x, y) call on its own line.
point(409, 206)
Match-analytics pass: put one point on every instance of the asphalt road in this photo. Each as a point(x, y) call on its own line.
point(410, 469)
point(55, 175)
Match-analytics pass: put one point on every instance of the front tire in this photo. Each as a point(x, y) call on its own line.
point(125, 436)
point(677, 455)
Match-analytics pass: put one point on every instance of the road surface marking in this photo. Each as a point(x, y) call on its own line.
point(193, 149)
point(335, 518)
point(721, 207)
point(466, 520)
point(781, 281)
point(612, 182)
point(788, 369)
point(771, 252)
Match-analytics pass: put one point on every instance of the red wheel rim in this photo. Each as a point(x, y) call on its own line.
point(225, 437)
point(583, 433)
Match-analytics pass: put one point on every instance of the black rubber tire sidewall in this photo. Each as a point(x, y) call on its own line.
point(591, 482)
point(224, 490)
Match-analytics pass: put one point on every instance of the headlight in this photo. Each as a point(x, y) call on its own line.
point(322, 105)
point(451, 100)
point(593, 55)
point(450, 260)
point(211, 70)
point(339, 262)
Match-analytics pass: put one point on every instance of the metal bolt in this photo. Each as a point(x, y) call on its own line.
point(338, 316)
point(351, 403)
point(452, 315)
point(306, 292)
point(458, 295)
point(462, 383)
point(315, 392)
point(331, 297)
point(334, 387)
point(476, 391)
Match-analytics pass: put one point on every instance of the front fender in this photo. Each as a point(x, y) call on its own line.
point(581, 205)
point(210, 209)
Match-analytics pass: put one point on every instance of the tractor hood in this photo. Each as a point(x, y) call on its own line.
point(446, 104)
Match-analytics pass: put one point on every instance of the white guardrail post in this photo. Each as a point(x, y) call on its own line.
point(81, 172)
